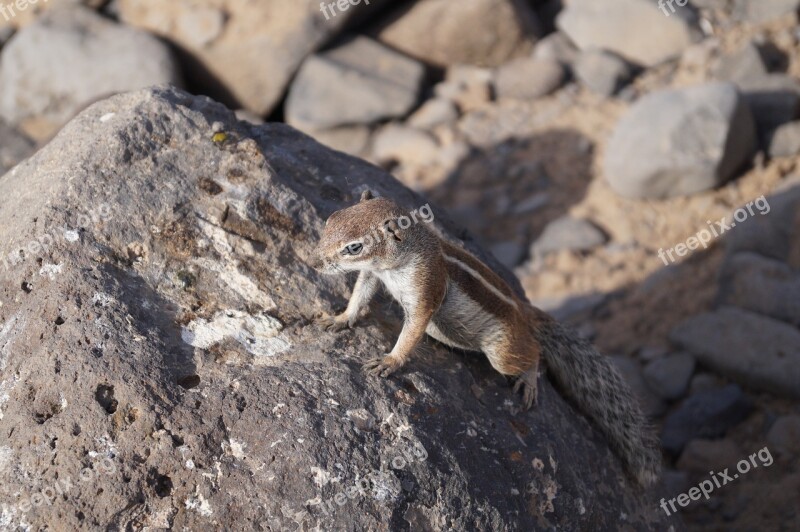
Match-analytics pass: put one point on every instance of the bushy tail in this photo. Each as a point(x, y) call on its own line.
point(591, 381)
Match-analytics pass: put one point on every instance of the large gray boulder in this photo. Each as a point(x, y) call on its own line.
point(634, 29)
point(71, 57)
point(680, 141)
point(157, 350)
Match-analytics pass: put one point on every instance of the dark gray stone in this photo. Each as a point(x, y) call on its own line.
point(680, 141)
point(762, 285)
point(669, 377)
point(706, 414)
point(755, 350)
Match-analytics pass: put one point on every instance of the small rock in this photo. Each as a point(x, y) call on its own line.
point(435, 31)
point(777, 235)
point(397, 143)
point(650, 353)
point(602, 72)
point(703, 382)
point(710, 128)
point(62, 62)
point(759, 284)
point(568, 233)
point(706, 414)
point(774, 100)
point(358, 82)
point(675, 482)
point(467, 86)
point(556, 47)
point(764, 10)
point(630, 370)
point(433, 113)
point(785, 141)
point(753, 349)
point(669, 376)
point(701, 456)
point(635, 29)
point(528, 78)
point(784, 435)
point(743, 67)
point(570, 307)
point(509, 254)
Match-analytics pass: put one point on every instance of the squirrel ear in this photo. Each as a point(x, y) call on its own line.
point(366, 195)
point(393, 230)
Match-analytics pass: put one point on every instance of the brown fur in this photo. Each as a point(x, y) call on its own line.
point(454, 297)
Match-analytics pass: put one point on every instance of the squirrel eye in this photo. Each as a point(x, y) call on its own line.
point(353, 249)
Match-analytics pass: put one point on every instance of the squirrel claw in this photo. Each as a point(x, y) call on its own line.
point(381, 366)
point(334, 323)
point(530, 390)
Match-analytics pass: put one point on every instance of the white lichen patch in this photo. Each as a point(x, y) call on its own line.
point(6, 457)
point(106, 117)
point(101, 299)
point(8, 333)
point(51, 270)
point(71, 235)
point(234, 448)
point(227, 268)
point(321, 477)
point(5, 389)
point(257, 334)
point(199, 504)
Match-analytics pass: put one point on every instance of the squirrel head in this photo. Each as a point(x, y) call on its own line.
point(370, 235)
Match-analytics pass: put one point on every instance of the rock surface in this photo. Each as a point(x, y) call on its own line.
point(756, 350)
point(162, 337)
point(669, 376)
point(359, 82)
point(635, 29)
point(680, 141)
point(70, 58)
point(785, 141)
point(435, 31)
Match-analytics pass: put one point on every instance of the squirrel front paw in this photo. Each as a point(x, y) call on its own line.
point(383, 366)
point(336, 323)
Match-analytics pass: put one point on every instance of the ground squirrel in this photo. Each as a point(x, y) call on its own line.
point(459, 301)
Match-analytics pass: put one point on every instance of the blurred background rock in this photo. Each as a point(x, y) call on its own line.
point(575, 139)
